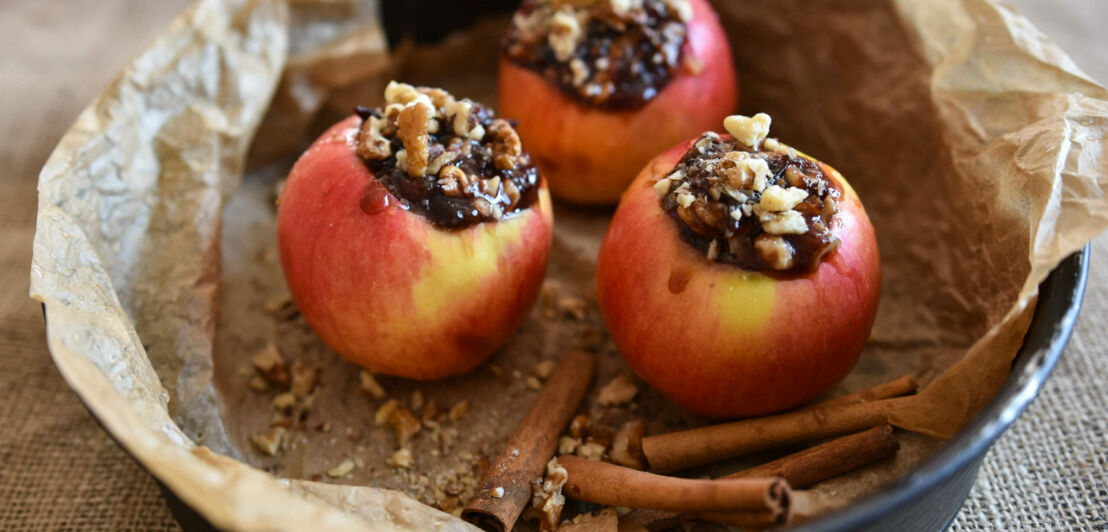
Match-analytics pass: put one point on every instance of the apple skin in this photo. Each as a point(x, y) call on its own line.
point(589, 155)
point(733, 343)
point(387, 290)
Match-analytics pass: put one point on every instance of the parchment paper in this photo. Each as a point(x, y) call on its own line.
point(976, 145)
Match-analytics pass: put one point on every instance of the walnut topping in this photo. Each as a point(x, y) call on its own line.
point(303, 379)
point(752, 201)
point(404, 424)
point(750, 131)
point(614, 54)
point(448, 159)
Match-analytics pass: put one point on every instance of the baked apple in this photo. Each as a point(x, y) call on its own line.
point(739, 277)
point(601, 87)
point(414, 237)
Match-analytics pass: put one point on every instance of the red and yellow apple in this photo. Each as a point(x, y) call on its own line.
point(726, 342)
point(387, 290)
point(589, 155)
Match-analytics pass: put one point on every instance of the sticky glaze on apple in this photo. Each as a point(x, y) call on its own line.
point(450, 160)
point(611, 54)
point(751, 201)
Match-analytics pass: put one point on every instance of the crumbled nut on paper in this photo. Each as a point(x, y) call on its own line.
point(620, 390)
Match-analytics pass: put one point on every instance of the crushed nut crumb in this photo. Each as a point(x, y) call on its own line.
point(402, 458)
point(269, 443)
point(620, 390)
point(341, 470)
point(370, 386)
point(269, 364)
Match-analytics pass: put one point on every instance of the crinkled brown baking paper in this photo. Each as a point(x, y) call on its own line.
point(976, 144)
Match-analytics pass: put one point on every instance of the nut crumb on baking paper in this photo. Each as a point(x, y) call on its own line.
point(620, 390)
point(303, 379)
point(533, 383)
point(341, 470)
point(284, 401)
point(591, 450)
point(404, 424)
point(370, 386)
point(458, 410)
point(402, 458)
point(384, 411)
point(627, 445)
point(270, 364)
point(568, 444)
point(574, 307)
point(544, 369)
point(268, 443)
point(258, 384)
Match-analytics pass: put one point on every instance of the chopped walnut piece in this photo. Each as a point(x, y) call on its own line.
point(412, 132)
point(303, 379)
point(270, 365)
point(544, 369)
point(568, 444)
point(402, 458)
point(268, 443)
point(372, 144)
point(784, 223)
point(417, 399)
point(506, 146)
point(370, 386)
point(775, 251)
point(574, 307)
point(258, 384)
point(592, 451)
point(284, 401)
point(627, 445)
point(565, 33)
point(533, 383)
point(404, 424)
point(778, 199)
point(341, 470)
point(547, 498)
point(384, 411)
point(278, 304)
point(458, 410)
point(578, 425)
point(750, 131)
point(620, 390)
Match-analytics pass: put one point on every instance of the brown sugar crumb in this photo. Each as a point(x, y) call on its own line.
point(270, 365)
point(620, 390)
point(269, 443)
point(370, 386)
point(627, 445)
point(752, 201)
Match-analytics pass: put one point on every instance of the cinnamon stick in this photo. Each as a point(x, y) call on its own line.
point(613, 485)
point(506, 489)
point(894, 388)
point(800, 470)
point(678, 450)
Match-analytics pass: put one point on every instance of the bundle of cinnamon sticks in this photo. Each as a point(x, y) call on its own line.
point(758, 497)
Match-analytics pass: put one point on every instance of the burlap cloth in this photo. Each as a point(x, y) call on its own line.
point(58, 470)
